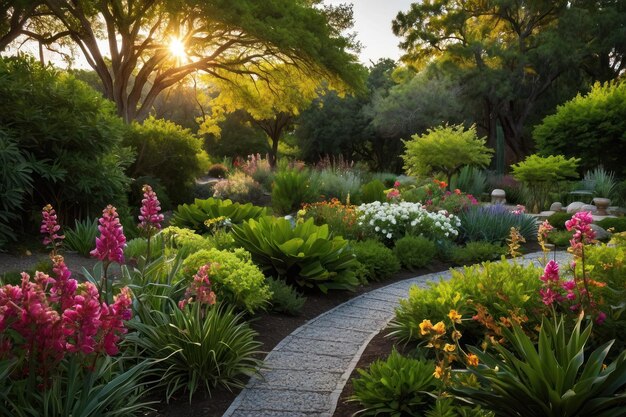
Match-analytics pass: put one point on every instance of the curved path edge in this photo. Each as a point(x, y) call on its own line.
point(306, 372)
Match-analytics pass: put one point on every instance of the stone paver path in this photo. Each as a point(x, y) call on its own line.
point(306, 371)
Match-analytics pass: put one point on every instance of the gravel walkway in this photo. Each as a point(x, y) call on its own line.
point(306, 372)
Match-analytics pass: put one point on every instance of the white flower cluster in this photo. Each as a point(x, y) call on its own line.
point(394, 220)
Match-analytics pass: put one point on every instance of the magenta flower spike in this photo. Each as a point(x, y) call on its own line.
point(50, 227)
point(150, 208)
point(110, 244)
point(580, 224)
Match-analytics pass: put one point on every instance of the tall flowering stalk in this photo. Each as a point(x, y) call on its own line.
point(150, 219)
point(50, 229)
point(110, 244)
point(542, 237)
point(583, 234)
point(199, 290)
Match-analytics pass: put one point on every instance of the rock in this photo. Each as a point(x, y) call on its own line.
point(589, 207)
point(498, 196)
point(601, 234)
point(574, 207)
point(556, 206)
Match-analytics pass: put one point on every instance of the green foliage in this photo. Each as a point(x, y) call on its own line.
point(373, 191)
point(291, 189)
point(500, 288)
point(377, 262)
point(340, 218)
point(236, 280)
point(558, 219)
point(193, 216)
point(113, 387)
point(474, 252)
point(470, 180)
point(397, 386)
point(136, 192)
point(196, 348)
point(239, 187)
point(285, 298)
point(560, 238)
point(493, 224)
point(445, 149)
point(218, 171)
point(555, 378)
point(331, 183)
point(305, 254)
point(168, 152)
point(415, 251)
point(64, 141)
point(590, 127)
point(600, 182)
point(82, 238)
point(541, 174)
point(618, 224)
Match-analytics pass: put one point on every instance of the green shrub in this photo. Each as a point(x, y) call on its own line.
point(336, 184)
point(82, 238)
point(373, 191)
point(600, 182)
point(60, 138)
point(168, 152)
point(305, 254)
point(192, 349)
point(239, 187)
point(493, 224)
point(340, 218)
point(378, 262)
point(474, 252)
point(285, 298)
point(218, 171)
point(558, 219)
point(560, 238)
point(496, 290)
point(236, 280)
point(291, 189)
point(193, 216)
point(397, 386)
point(592, 126)
point(618, 224)
point(470, 180)
point(387, 178)
point(558, 378)
point(415, 251)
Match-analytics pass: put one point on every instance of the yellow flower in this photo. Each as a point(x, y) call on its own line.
point(438, 372)
point(456, 335)
point(454, 316)
point(449, 348)
point(472, 360)
point(439, 328)
point(425, 327)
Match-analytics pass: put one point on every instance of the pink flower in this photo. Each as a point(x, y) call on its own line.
point(393, 193)
point(580, 223)
point(110, 244)
point(548, 296)
point(112, 319)
point(81, 322)
point(396, 184)
point(64, 287)
point(520, 209)
point(200, 288)
point(50, 227)
point(150, 208)
point(600, 318)
point(551, 272)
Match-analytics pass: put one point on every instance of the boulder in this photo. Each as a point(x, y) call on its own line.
point(556, 206)
point(498, 196)
point(574, 207)
point(601, 234)
point(588, 207)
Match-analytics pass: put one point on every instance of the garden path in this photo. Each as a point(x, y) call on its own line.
point(305, 373)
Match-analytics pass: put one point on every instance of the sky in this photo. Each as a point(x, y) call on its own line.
point(372, 22)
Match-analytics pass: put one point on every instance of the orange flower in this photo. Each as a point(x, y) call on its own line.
point(449, 348)
point(425, 327)
point(454, 316)
point(472, 360)
point(439, 328)
point(438, 372)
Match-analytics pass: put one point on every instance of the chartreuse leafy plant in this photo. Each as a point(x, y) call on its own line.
point(193, 216)
point(397, 386)
point(376, 261)
point(556, 378)
point(541, 174)
point(305, 255)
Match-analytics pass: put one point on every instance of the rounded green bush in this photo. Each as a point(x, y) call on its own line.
point(558, 219)
point(618, 224)
point(378, 262)
point(218, 171)
point(415, 251)
point(237, 280)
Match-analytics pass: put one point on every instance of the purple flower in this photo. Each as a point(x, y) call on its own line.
point(110, 244)
point(150, 208)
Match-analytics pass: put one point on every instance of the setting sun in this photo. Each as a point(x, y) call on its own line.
point(177, 48)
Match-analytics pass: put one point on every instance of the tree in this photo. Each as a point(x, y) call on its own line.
point(591, 127)
point(509, 54)
point(154, 44)
point(445, 149)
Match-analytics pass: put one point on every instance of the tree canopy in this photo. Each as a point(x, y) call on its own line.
point(153, 44)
